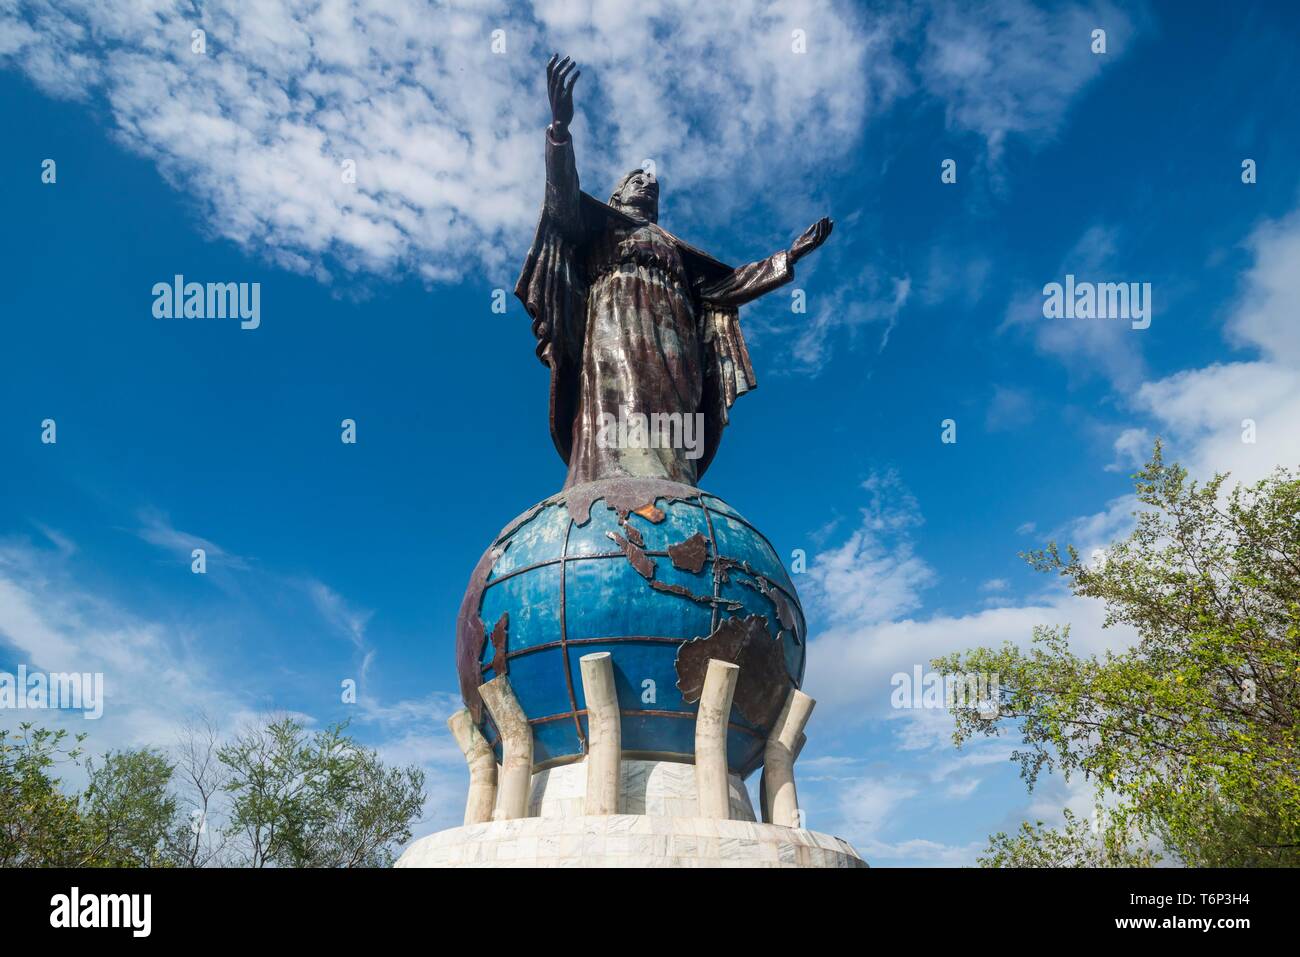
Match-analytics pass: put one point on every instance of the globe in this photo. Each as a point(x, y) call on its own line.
point(661, 575)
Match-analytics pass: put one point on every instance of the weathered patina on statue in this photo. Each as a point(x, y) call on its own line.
point(629, 318)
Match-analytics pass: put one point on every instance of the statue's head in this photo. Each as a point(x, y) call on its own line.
point(637, 193)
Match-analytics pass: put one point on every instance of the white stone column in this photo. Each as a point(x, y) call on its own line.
point(604, 733)
point(482, 767)
point(763, 806)
point(780, 801)
point(711, 738)
point(517, 748)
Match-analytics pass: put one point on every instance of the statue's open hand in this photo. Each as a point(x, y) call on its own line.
point(812, 237)
point(560, 77)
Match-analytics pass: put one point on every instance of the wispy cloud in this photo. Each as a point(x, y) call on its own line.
point(163, 669)
point(348, 621)
point(157, 529)
point(155, 676)
point(1012, 67)
point(1008, 409)
point(1087, 348)
point(870, 299)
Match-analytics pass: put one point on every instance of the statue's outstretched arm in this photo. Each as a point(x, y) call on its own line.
point(749, 282)
point(563, 196)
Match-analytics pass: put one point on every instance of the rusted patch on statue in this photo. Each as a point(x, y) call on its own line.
point(470, 633)
point(500, 639)
point(623, 495)
point(651, 513)
point(784, 611)
point(672, 589)
point(636, 555)
point(763, 682)
point(646, 568)
point(689, 555)
point(632, 532)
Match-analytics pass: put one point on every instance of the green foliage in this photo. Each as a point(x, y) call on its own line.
point(39, 825)
point(322, 801)
point(1193, 729)
point(294, 801)
point(1077, 844)
point(130, 810)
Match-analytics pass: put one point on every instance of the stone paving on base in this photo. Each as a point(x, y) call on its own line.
point(629, 840)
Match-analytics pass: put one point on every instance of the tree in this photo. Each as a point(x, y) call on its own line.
point(130, 810)
point(322, 801)
point(40, 826)
point(289, 800)
point(1193, 731)
point(1077, 844)
point(198, 839)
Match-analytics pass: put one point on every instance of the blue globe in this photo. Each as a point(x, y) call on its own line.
point(662, 576)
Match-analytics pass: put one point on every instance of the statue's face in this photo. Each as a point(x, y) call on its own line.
point(639, 192)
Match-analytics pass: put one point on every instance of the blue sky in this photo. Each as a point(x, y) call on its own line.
point(329, 561)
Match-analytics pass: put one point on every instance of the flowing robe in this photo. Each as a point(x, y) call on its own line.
point(630, 319)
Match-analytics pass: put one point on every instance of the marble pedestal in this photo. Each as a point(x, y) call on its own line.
point(659, 826)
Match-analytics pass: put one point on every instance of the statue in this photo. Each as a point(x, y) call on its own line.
point(631, 648)
point(632, 320)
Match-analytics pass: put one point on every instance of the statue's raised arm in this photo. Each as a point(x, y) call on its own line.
point(563, 196)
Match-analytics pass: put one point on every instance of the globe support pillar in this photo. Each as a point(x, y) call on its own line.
point(711, 738)
point(482, 767)
point(780, 800)
point(762, 780)
point(517, 748)
point(604, 733)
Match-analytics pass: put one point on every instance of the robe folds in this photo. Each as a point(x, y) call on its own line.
point(629, 317)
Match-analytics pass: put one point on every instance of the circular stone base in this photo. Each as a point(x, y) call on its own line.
point(653, 788)
point(628, 840)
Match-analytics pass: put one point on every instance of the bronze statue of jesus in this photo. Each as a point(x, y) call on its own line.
point(632, 320)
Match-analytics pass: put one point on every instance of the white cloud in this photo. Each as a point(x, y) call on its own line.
point(154, 675)
point(918, 852)
point(224, 569)
point(1009, 408)
point(348, 621)
point(1266, 314)
point(1099, 529)
point(156, 529)
point(446, 135)
point(872, 575)
point(849, 665)
point(869, 807)
point(1008, 67)
point(1132, 449)
point(1111, 348)
point(1204, 412)
point(868, 299)
point(865, 803)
